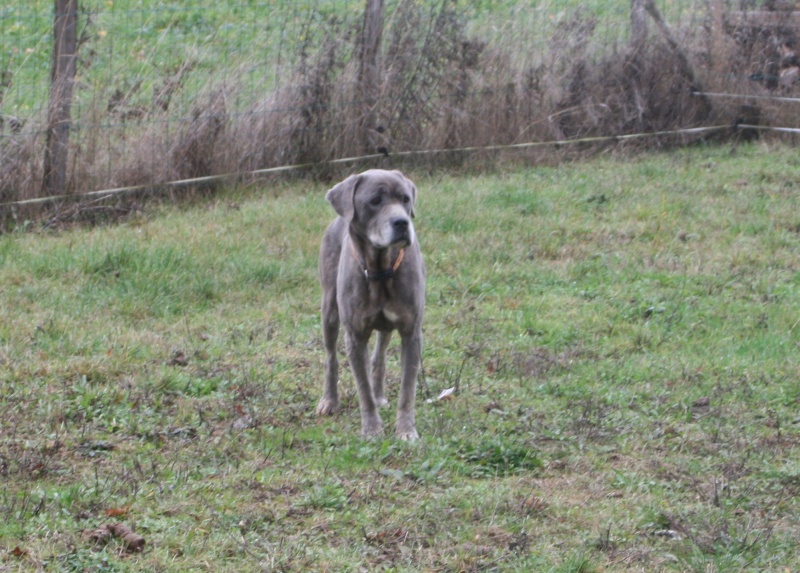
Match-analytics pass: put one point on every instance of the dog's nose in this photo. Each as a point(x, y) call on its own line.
point(400, 224)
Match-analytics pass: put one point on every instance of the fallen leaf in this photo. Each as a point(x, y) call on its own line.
point(117, 511)
point(448, 394)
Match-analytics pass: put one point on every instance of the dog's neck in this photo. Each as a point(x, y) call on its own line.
point(378, 265)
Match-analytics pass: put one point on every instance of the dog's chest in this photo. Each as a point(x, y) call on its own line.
point(392, 317)
point(386, 320)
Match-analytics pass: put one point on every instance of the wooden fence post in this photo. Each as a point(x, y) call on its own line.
point(636, 55)
point(62, 79)
point(369, 72)
point(638, 26)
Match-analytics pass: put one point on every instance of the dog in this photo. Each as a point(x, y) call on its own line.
point(373, 279)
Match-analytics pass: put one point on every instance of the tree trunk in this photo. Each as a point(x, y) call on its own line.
point(62, 79)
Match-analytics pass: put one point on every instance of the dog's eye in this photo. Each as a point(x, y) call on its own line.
point(376, 200)
point(406, 199)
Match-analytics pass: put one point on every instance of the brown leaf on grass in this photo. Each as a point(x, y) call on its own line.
point(133, 542)
point(117, 511)
point(18, 552)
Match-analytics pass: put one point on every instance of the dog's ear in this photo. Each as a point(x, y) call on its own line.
point(341, 196)
point(412, 188)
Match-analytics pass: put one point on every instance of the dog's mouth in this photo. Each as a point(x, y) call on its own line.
point(400, 241)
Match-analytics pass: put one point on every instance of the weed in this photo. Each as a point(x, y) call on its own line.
point(497, 457)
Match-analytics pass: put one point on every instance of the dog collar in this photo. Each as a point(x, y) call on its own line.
point(379, 276)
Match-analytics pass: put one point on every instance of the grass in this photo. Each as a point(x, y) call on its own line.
point(138, 46)
point(623, 335)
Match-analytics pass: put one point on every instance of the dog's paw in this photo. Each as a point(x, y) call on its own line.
point(409, 435)
point(371, 428)
point(327, 406)
point(405, 428)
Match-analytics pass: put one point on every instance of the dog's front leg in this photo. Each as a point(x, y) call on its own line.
point(358, 352)
point(412, 351)
point(378, 370)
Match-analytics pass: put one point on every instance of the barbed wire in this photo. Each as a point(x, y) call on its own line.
point(747, 96)
point(768, 128)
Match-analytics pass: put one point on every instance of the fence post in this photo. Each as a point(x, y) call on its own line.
point(636, 56)
point(62, 79)
point(369, 71)
point(638, 27)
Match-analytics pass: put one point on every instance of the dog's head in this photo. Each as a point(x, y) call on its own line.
point(378, 205)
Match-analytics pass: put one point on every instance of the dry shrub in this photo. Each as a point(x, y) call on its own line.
point(745, 54)
point(20, 168)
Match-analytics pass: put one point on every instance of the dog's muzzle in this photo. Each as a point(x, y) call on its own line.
point(401, 232)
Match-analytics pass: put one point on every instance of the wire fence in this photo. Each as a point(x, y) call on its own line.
point(166, 91)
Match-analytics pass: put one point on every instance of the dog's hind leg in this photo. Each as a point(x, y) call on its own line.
point(378, 371)
point(330, 334)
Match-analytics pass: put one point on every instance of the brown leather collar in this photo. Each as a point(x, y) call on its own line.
point(378, 276)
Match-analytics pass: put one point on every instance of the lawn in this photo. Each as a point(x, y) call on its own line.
point(622, 334)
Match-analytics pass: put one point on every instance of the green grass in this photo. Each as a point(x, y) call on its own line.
point(623, 335)
point(136, 46)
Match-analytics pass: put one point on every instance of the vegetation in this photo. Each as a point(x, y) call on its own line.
point(622, 336)
point(168, 92)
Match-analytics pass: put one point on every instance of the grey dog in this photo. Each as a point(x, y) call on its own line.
point(373, 279)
